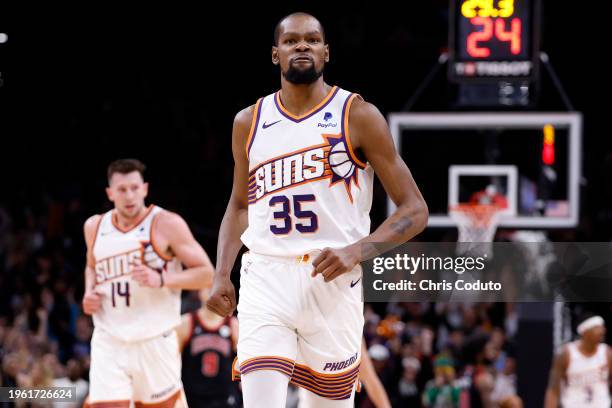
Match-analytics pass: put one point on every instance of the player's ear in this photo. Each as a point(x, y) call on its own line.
point(275, 58)
point(145, 186)
point(326, 52)
point(109, 194)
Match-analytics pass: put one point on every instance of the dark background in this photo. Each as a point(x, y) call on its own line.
point(84, 86)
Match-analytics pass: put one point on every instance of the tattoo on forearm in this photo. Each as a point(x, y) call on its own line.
point(401, 225)
point(370, 250)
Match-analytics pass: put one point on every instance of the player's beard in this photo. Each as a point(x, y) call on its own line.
point(302, 76)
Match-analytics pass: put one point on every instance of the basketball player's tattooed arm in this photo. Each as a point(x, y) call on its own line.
point(223, 296)
point(92, 300)
point(172, 236)
point(370, 135)
point(557, 371)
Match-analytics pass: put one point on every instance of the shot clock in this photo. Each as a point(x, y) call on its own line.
point(493, 39)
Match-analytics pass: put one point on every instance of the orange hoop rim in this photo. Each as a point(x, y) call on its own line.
point(477, 213)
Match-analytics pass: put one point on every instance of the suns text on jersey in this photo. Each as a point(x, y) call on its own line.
point(117, 265)
point(295, 168)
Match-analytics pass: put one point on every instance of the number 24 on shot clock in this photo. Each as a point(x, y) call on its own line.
point(493, 38)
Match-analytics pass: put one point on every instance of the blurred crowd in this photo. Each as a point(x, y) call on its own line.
point(44, 337)
point(444, 354)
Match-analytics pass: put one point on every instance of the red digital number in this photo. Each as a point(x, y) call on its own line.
point(210, 364)
point(513, 36)
point(485, 35)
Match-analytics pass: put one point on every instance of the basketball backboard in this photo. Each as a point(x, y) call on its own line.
point(543, 189)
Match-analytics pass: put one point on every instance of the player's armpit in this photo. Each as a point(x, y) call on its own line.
point(369, 134)
point(557, 371)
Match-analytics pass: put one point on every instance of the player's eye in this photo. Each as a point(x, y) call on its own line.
point(290, 41)
point(314, 41)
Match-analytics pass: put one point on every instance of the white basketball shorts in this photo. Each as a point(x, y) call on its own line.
point(304, 327)
point(146, 372)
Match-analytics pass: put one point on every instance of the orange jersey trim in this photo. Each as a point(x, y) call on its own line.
point(253, 130)
point(280, 364)
point(157, 250)
point(325, 100)
point(106, 404)
point(140, 220)
point(93, 244)
point(235, 371)
point(167, 403)
point(347, 137)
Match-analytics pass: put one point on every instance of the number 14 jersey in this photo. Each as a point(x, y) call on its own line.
point(131, 312)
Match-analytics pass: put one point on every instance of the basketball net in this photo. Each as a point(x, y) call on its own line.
point(476, 224)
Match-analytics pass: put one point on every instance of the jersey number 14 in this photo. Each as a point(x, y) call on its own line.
point(117, 290)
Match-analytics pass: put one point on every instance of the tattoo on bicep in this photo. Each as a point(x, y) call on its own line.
point(401, 225)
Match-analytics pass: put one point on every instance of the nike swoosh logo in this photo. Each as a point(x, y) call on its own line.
point(354, 283)
point(265, 125)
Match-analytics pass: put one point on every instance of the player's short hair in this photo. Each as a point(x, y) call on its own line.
point(125, 166)
point(296, 14)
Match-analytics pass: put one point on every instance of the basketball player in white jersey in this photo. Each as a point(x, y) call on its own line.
point(133, 282)
point(304, 159)
point(580, 375)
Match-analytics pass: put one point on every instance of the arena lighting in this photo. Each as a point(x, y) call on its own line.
point(3, 38)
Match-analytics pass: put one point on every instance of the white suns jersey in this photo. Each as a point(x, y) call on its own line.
point(307, 188)
point(129, 311)
point(586, 382)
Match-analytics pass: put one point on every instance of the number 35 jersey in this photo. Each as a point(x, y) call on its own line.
point(307, 188)
point(132, 312)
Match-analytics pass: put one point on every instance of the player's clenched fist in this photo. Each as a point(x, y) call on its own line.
point(222, 299)
point(332, 263)
point(147, 277)
point(92, 302)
